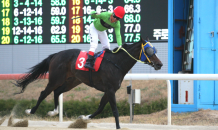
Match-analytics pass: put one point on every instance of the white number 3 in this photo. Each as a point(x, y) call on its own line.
point(81, 61)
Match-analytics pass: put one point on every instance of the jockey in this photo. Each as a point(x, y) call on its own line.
point(102, 22)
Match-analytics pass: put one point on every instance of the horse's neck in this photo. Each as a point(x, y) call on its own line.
point(127, 62)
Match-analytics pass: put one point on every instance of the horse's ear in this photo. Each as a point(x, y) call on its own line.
point(141, 39)
point(147, 38)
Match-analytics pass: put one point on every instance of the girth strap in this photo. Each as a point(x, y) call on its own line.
point(116, 65)
point(90, 78)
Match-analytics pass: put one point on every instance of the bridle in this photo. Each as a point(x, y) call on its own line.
point(143, 54)
point(147, 51)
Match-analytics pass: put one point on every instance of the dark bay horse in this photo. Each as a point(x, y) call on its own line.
point(63, 76)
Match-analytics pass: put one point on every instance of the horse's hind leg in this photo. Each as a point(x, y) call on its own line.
point(54, 82)
point(42, 96)
point(68, 85)
point(104, 101)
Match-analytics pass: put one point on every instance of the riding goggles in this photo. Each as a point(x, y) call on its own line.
point(116, 16)
point(147, 51)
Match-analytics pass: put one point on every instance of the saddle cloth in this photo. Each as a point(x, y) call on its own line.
point(81, 61)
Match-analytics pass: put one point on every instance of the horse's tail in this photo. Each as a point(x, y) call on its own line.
point(36, 71)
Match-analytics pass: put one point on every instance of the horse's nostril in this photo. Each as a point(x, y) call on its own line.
point(159, 65)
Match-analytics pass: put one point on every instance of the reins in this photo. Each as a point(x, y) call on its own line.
point(142, 50)
point(132, 56)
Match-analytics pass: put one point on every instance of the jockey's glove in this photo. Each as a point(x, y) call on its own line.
point(98, 12)
point(95, 12)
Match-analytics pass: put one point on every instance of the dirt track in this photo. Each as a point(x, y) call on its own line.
point(203, 119)
point(200, 120)
point(137, 127)
point(54, 125)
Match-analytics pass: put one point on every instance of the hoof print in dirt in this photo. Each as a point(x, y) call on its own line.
point(79, 123)
point(22, 123)
point(2, 120)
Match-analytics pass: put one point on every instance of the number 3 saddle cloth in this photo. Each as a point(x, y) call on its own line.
point(81, 61)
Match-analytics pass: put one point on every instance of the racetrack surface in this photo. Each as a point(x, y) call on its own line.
point(55, 125)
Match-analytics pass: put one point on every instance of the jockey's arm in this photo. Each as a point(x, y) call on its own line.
point(118, 36)
point(95, 14)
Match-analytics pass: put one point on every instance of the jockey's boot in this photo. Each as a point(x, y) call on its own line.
point(89, 62)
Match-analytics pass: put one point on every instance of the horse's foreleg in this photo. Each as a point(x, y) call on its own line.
point(104, 101)
point(112, 101)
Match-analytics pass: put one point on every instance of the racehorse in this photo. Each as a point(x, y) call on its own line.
point(63, 76)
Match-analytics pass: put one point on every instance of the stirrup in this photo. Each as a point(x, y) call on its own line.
point(89, 62)
point(89, 67)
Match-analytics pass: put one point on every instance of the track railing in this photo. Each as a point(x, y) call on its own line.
point(169, 77)
point(166, 77)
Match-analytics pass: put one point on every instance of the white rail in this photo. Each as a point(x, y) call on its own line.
point(166, 77)
point(171, 77)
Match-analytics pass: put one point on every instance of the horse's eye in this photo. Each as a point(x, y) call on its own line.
point(149, 51)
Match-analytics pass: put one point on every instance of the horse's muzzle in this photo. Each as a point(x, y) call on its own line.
point(158, 66)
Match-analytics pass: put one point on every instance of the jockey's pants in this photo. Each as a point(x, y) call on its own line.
point(95, 35)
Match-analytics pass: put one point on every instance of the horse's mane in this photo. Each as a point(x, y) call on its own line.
point(125, 46)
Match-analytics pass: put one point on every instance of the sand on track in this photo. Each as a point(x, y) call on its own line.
point(55, 125)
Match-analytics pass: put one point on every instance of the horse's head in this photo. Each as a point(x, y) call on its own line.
point(148, 54)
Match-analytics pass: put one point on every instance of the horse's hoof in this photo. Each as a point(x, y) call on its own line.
point(84, 117)
point(27, 111)
point(87, 117)
point(52, 113)
point(81, 117)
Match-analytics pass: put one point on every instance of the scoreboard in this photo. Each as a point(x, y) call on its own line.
point(49, 21)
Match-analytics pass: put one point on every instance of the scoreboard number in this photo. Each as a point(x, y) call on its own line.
point(49, 21)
